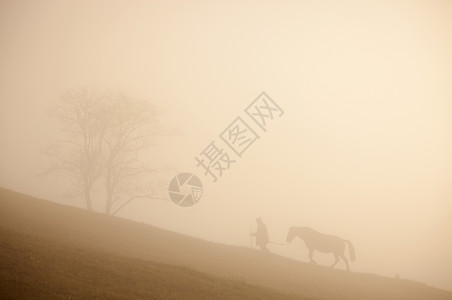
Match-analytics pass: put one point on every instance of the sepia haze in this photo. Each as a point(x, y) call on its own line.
point(363, 150)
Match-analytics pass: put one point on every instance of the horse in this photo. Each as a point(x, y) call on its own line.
point(325, 243)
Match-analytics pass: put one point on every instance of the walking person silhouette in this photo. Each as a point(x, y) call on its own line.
point(261, 235)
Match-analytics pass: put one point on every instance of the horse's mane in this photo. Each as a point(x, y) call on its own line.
point(303, 228)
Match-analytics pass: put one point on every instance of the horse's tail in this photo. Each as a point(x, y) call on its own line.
point(351, 250)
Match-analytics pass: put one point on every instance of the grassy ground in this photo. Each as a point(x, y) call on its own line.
point(35, 268)
point(49, 250)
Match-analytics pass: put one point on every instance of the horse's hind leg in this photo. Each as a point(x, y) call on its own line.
point(345, 261)
point(311, 256)
point(336, 260)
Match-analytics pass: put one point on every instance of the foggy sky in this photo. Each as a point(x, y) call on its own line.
point(362, 151)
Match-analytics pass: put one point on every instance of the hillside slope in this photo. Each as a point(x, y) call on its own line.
point(74, 228)
point(36, 268)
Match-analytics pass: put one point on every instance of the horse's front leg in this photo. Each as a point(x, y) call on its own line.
point(345, 261)
point(311, 256)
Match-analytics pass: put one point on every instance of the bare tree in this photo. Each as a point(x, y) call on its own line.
point(105, 134)
point(78, 154)
point(133, 125)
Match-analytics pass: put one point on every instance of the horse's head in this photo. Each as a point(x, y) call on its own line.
point(290, 235)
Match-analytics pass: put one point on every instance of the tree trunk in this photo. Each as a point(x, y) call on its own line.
point(109, 201)
point(108, 206)
point(88, 198)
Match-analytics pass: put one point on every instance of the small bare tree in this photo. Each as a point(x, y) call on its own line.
point(104, 136)
point(78, 154)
